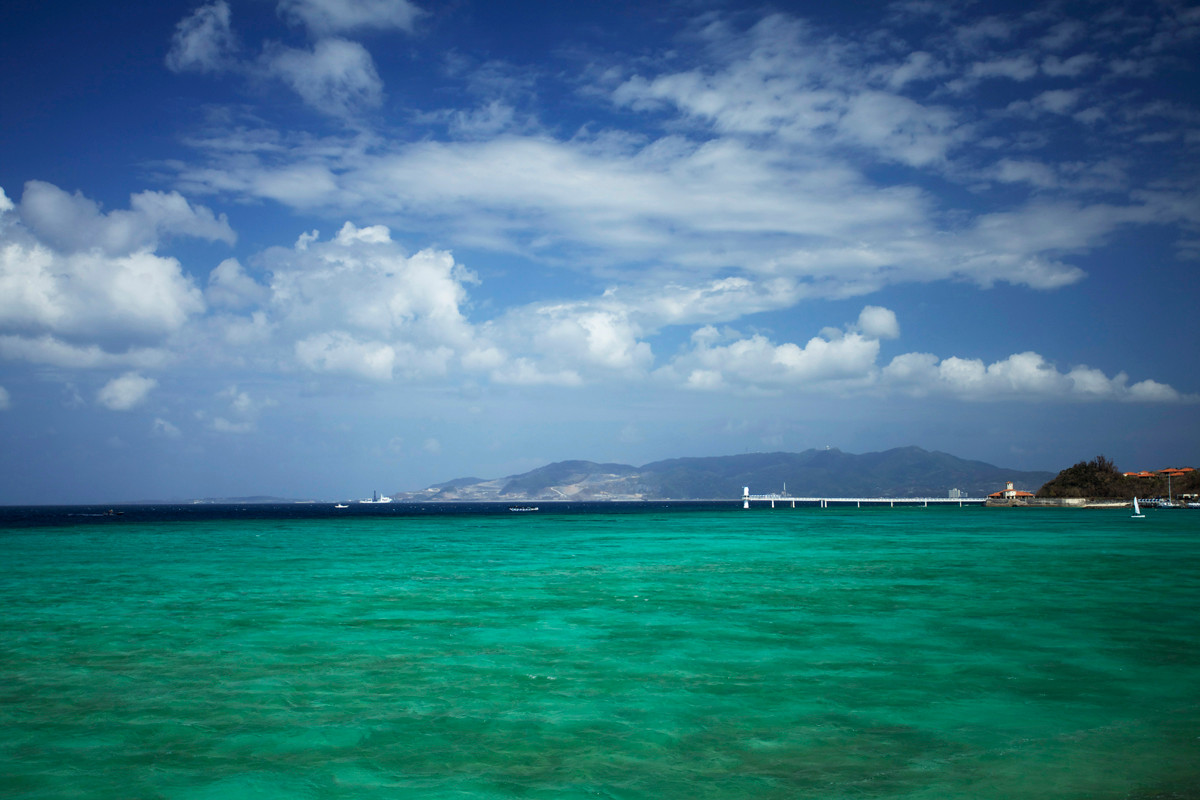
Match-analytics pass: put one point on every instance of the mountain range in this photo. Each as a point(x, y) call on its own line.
point(901, 472)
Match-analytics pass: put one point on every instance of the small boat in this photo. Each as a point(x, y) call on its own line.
point(1137, 512)
point(341, 505)
point(522, 508)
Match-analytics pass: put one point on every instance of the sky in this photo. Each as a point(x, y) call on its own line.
point(319, 248)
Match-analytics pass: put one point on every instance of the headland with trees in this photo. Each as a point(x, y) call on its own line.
point(1099, 479)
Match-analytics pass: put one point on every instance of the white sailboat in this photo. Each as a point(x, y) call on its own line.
point(1137, 512)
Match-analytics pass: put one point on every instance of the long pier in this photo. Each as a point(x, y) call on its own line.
point(858, 502)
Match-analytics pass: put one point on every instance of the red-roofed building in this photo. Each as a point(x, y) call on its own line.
point(1010, 493)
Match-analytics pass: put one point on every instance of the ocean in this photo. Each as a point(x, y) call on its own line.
point(663, 651)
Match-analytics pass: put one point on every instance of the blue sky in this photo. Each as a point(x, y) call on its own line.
point(314, 248)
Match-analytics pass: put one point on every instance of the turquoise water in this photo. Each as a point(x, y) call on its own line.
point(704, 654)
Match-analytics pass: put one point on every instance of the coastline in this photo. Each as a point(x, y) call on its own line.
point(1059, 502)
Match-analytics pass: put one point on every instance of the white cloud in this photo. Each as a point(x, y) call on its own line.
point(1071, 67)
point(1057, 101)
point(561, 343)
point(1034, 173)
point(835, 361)
point(73, 223)
point(50, 350)
point(900, 129)
point(776, 165)
point(230, 287)
point(79, 287)
point(1026, 376)
point(5, 399)
point(339, 352)
point(204, 41)
point(222, 425)
point(241, 404)
point(1063, 34)
point(757, 362)
point(165, 429)
point(524, 372)
point(876, 322)
point(917, 66)
point(361, 294)
point(90, 295)
point(1017, 68)
point(336, 77)
point(1149, 391)
point(125, 392)
point(340, 16)
point(980, 33)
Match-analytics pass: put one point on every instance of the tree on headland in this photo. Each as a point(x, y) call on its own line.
point(1096, 478)
point(1100, 478)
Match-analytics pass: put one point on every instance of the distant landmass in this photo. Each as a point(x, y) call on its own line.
point(258, 499)
point(901, 472)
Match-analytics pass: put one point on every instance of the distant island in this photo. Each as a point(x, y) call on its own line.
point(900, 472)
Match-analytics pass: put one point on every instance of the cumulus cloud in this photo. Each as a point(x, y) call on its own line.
point(1025, 376)
point(81, 287)
point(758, 362)
point(125, 392)
point(230, 287)
point(358, 304)
point(340, 353)
point(562, 342)
point(877, 322)
point(846, 362)
point(837, 360)
point(88, 294)
point(73, 223)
